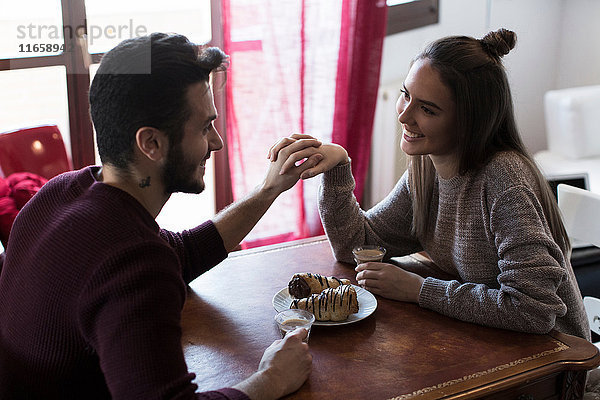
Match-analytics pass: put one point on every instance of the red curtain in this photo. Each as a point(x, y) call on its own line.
point(362, 34)
point(307, 66)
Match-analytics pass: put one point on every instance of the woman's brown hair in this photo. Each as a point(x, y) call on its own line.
point(473, 71)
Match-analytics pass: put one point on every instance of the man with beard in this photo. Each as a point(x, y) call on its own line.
point(92, 289)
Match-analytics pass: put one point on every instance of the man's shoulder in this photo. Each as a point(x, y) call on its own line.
point(67, 184)
point(75, 209)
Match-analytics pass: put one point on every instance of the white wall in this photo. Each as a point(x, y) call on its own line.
point(532, 65)
point(558, 46)
point(578, 62)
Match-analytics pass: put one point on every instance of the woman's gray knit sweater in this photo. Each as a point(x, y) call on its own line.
point(488, 237)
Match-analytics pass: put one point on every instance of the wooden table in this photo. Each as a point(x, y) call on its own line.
point(401, 351)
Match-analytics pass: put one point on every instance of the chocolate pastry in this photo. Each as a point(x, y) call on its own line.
point(331, 304)
point(305, 284)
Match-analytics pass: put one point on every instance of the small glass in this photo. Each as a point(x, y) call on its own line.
point(289, 320)
point(368, 253)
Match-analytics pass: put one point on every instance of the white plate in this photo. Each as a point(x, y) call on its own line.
point(367, 303)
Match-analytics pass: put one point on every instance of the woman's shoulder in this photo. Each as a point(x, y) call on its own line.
point(509, 168)
point(504, 174)
point(508, 160)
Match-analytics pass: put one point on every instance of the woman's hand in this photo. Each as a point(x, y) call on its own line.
point(332, 155)
point(389, 281)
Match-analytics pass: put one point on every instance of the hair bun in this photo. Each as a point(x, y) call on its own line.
point(499, 43)
point(213, 58)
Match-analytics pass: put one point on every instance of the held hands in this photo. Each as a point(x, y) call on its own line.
point(295, 148)
point(389, 281)
point(285, 169)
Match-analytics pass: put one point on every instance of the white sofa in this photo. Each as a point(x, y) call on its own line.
point(573, 133)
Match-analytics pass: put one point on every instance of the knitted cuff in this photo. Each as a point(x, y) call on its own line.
point(340, 175)
point(432, 292)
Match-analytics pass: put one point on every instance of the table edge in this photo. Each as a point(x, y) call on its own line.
point(572, 354)
point(279, 246)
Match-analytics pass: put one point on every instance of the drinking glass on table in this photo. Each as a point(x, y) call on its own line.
point(289, 320)
point(368, 253)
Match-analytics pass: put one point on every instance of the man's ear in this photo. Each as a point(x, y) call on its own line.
point(152, 142)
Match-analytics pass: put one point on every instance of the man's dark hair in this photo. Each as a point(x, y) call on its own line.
point(143, 82)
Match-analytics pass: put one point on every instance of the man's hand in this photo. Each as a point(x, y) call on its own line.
point(389, 281)
point(284, 367)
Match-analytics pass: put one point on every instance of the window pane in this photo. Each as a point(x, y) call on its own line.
point(30, 28)
point(35, 96)
point(112, 21)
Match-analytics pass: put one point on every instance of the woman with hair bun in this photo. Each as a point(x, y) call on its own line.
point(472, 198)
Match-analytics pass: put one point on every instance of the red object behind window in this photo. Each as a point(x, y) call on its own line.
point(8, 211)
point(15, 191)
point(39, 150)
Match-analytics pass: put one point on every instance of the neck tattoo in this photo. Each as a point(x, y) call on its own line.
point(145, 182)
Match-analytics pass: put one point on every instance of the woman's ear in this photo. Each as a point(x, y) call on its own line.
point(151, 142)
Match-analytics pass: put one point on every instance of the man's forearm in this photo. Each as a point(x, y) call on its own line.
point(237, 220)
point(258, 387)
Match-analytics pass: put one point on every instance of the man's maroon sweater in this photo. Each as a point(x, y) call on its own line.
point(91, 293)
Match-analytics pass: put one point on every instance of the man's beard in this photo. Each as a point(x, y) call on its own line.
point(178, 173)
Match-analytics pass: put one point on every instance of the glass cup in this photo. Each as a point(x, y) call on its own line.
point(288, 320)
point(368, 253)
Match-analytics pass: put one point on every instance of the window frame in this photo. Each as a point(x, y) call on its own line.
point(78, 82)
point(411, 15)
point(222, 181)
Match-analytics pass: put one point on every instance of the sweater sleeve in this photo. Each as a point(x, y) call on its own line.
point(198, 249)
point(129, 314)
point(531, 266)
point(387, 224)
